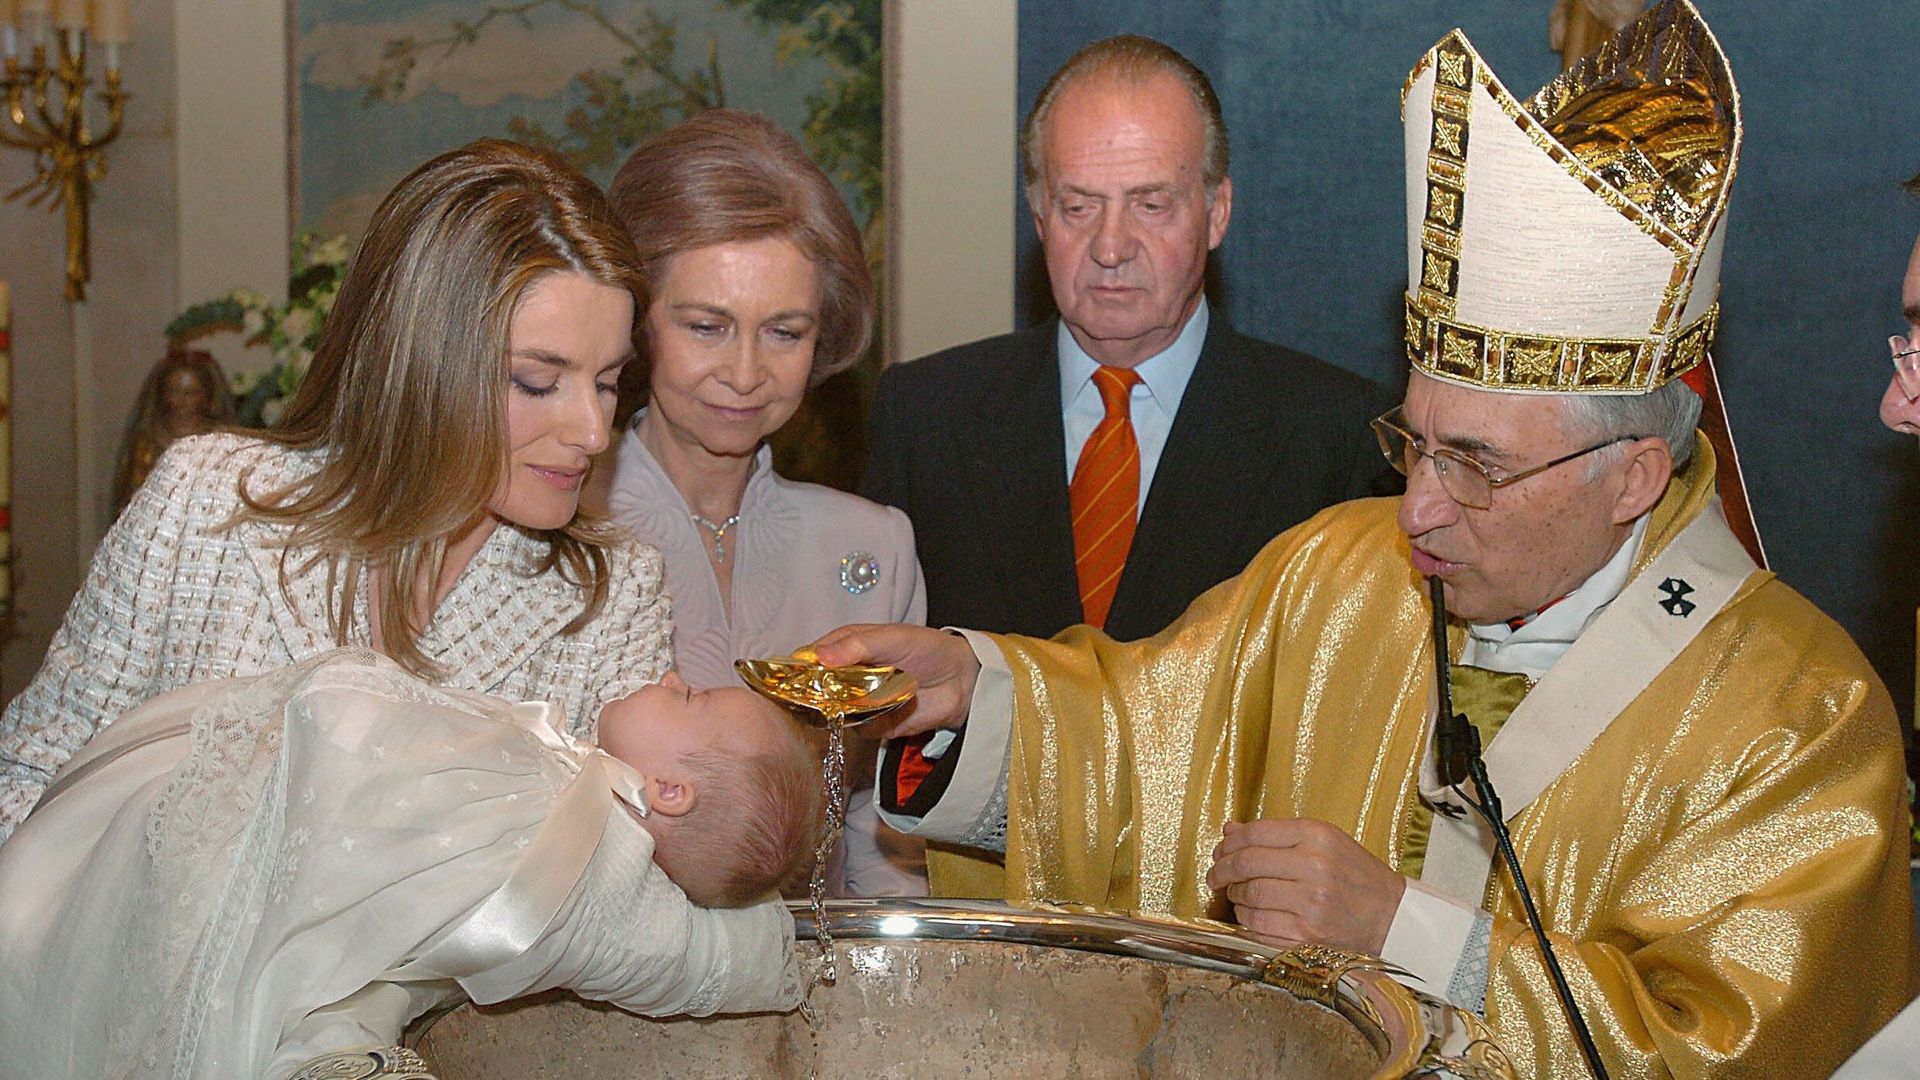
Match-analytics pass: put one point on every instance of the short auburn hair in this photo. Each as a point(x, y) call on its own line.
point(725, 176)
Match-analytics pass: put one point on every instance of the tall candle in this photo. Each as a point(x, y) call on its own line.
point(35, 19)
point(110, 21)
point(6, 458)
point(34, 15)
point(70, 14)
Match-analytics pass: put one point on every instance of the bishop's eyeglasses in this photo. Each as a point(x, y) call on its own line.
point(1465, 480)
point(1906, 363)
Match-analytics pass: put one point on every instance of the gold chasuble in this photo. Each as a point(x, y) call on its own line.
point(1723, 870)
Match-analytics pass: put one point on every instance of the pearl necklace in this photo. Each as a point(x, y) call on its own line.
point(719, 531)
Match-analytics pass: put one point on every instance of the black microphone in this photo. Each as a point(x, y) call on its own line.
point(1456, 742)
point(1456, 751)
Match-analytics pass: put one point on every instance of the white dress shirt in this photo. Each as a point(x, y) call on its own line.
point(1155, 401)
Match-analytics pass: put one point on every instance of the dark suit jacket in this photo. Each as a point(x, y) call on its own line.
point(970, 444)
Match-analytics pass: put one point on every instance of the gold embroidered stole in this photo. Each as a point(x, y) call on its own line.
point(1668, 601)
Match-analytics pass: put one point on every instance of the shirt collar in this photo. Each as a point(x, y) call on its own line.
point(1540, 643)
point(1165, 374)
point(758, 480)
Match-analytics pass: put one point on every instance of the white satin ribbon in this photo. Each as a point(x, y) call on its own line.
point(519, 912)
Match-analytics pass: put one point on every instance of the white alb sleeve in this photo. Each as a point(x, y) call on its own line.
point(973, 808)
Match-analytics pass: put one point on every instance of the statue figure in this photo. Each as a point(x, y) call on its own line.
point(186, 393)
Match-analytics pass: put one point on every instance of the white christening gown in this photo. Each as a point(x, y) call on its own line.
point(241, 875)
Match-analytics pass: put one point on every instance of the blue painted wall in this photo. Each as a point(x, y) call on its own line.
point(1818, 238)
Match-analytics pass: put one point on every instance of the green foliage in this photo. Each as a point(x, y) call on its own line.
point(650, 93)
point(290, 331)
point(647, 96)
point(843, 129)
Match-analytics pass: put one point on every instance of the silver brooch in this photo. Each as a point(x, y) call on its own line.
point(859, 571)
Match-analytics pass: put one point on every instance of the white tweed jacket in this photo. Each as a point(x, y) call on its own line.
point(172, 598)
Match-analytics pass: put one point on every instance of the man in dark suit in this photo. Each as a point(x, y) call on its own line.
point(1111, 465)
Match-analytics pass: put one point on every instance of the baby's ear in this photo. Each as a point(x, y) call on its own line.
point(670, 796)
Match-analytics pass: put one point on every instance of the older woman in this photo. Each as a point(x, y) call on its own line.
point(756, 290)
point(419, 497)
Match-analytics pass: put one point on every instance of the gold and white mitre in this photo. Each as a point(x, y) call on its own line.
point(1570, 242)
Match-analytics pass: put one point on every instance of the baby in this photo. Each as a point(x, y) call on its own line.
point(242, 876)
point(732, 788)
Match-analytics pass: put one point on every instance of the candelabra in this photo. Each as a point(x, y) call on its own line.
point(47, 114)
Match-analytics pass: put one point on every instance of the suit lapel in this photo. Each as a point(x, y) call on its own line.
point(1019, 469)
point(1213, 451)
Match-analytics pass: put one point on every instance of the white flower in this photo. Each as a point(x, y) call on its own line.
point(330, 249)
point(297, 324)
point(288, 329)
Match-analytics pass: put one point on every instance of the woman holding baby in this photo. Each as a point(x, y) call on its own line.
point(419, 500)
point(420, 495)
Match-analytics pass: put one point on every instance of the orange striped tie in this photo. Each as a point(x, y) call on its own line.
point(1105, 496)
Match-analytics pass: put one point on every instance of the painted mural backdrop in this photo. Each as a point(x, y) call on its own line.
point(385, 84)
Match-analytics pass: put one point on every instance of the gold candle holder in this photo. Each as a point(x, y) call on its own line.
point(46, 112)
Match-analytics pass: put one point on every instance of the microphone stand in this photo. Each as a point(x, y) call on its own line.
point(1457, 759)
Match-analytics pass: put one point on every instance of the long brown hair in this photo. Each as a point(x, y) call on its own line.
point(406, 394)
point(725, 176)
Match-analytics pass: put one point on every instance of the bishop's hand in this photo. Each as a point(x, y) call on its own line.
point(942, 663)
point(1295, 880)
